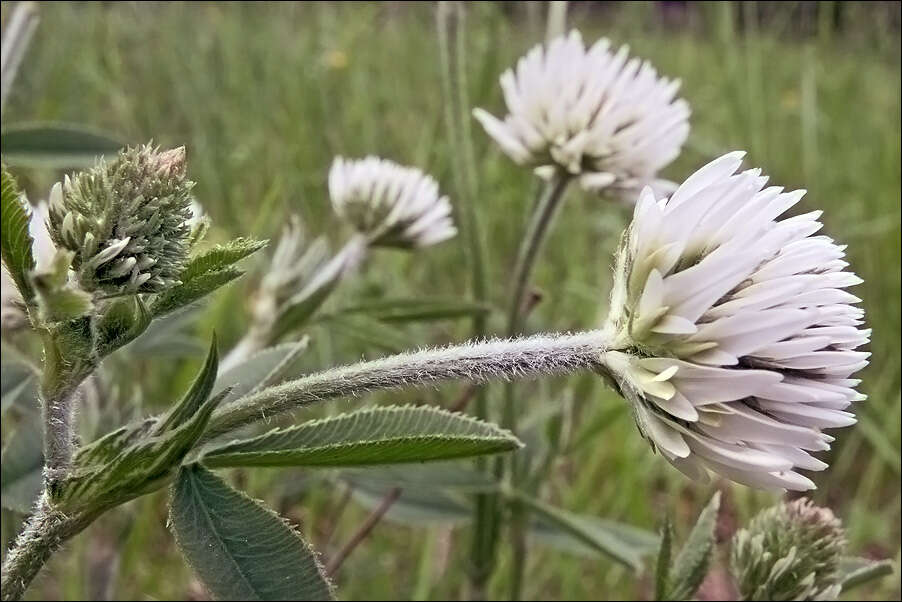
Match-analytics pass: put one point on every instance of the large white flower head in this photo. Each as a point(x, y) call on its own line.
point(392, 205)
point(741, 334)
point(592, 112)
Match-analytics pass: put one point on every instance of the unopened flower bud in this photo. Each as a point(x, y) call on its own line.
point(127, 222)
point(789, 552)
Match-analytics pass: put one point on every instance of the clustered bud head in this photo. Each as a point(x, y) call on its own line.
point(737, 339)
point(392, 205)
point(591, 112)
point(789, 552)
point(127, 222)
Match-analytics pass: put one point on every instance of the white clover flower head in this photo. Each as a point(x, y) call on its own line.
point(43, 250)
point(741, 337)
point(592, 112)
point(392, 205)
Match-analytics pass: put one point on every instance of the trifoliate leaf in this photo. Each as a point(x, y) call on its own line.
point(240, 549)
point(385, 435)
point(16, 240)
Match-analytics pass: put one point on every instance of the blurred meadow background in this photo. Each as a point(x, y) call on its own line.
point(264, 95)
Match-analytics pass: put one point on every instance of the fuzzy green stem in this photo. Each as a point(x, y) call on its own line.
point(46, 531)
point(527, 357)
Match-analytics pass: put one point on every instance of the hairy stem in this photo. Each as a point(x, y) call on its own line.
point(46, 531)
point(527, 357)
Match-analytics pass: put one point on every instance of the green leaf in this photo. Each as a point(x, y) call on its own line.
point(662, 570)
point(121, 323)
point(191, 291)
point(15, 240)
point(691, 565)
point(382, 435)
point(297, 311)
point(259, 370)
point(167, 336)
point(417, 309)
point(21, 466)
point(221, 257)
point(18, 381)
point(195, 397)
point(370, 332)
point(58, 145)
point(140, 458)
point(858, 571)
point(595, 535)
point(455, 475)
point(238, 548)
point(415, 506)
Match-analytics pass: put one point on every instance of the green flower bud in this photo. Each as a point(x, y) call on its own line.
point(789, 552)
point(126, 222)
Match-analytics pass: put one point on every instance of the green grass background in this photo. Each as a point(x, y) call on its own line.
point(264, 95)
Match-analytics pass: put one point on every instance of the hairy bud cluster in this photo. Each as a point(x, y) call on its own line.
point(126, 222)
point(789, 552)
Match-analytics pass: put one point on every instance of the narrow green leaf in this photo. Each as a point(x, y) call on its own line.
point(240, 549)
point(691, 565)
point(144, 465)
point(601, 540)
point(192, 291)
point(18, 381)
point(417, 309)
point(382, 435)
point(220, 257)
point(15, 240)
point(662, 570)
point(370, 332)
point(858, 571)
point(415, 506)
point(57, 145)
point(455, 475)
point(297, 311)
point(257, 369)
point(198, 393)
point(21, 466)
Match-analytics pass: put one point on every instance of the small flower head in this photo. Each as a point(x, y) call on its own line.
point(390, 204)
point(741, 336)
point(592, 112)
point(789, 552)
point(126, 222)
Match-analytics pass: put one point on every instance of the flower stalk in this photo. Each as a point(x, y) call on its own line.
point(526, 357)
